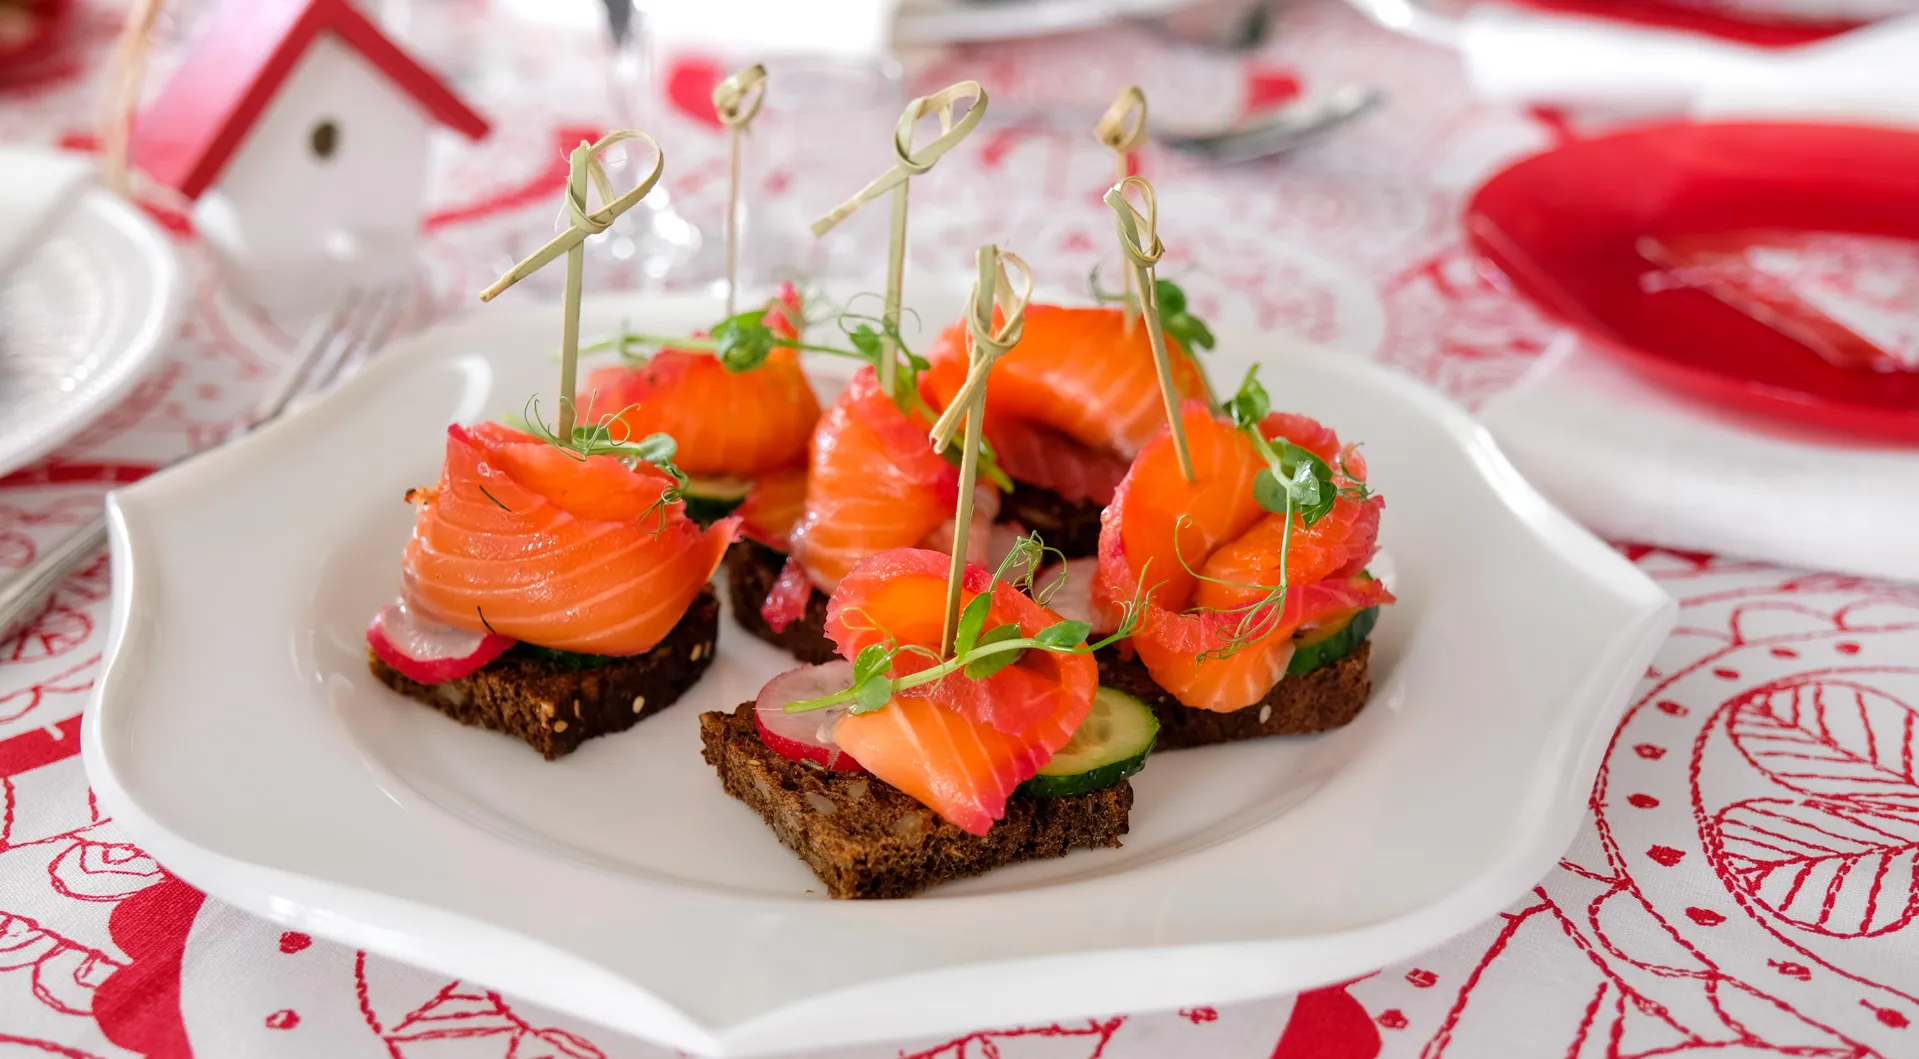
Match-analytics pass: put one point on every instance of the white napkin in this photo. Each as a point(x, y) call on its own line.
point(1635, 463)
point(1526, 57)
point(37, 187)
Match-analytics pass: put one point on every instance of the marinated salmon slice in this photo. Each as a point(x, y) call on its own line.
point(1337, 546)
point(1212, 632)
point(1080, 371)
point(772, 505)
point(728, 424)
point(1044, 457)
point(569, 552)
point(874, 483)
point(959, 745)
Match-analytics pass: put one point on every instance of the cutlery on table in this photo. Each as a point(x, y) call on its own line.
point(1263, 135)
point(333, 347)
point(1276, 131)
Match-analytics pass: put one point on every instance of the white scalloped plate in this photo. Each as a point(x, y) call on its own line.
point(239, 738)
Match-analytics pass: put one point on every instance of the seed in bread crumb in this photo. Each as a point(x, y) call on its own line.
point(546, 709)
point(694, 654)
point(1265, 714)
point(910, 825)
point(856, 789)
point(821, 803)
point(559, 726)
point(576, 709)
point(639, 703)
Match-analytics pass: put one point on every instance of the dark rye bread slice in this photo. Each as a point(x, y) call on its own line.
point(556, 707)
point(1315, 701)
point(864, 838)
point(751, 569)
point(1072, 526)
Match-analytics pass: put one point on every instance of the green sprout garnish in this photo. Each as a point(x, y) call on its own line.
point(1295, 481)
point(608, 435)
point(978, 651)
point(1174, 317)
point(744, 341)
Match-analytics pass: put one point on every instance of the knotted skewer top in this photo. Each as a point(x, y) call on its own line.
point(907, 162)
point(1138, 230)
point(581, 223)
point(1122, 128)
point(989, 343)
point(1139, 241)
point(736, 100)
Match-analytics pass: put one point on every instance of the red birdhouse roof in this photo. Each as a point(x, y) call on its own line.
point(187, 134)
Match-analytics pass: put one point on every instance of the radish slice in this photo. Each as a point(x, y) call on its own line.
point(427, 651)
point(805, 736)
point(1073, 599)
point(1000, 544)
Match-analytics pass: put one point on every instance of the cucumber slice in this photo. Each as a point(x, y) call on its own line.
point(711, 499)
point(1335, 645)
point(1110, 745)
point(563, 659)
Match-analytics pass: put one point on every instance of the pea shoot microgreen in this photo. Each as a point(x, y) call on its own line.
point(743, 342)
point(608, 435)
point(1296, 484)
point(979, 651)
point(1175, 317)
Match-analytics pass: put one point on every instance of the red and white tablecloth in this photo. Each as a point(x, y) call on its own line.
point(1745, 885)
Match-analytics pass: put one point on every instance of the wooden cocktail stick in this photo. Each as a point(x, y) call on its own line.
point(985, 345)
point(1139, 240)
point(583, 167)
point(908, 163)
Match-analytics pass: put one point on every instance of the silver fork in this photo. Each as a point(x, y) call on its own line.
point(336, 344)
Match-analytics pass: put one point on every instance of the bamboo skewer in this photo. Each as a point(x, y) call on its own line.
point(583, 168)
point(985, 346)
point(1139, 240)
point(908, 163)
point(126, 72)
point(1122, 130)
point(737, 100)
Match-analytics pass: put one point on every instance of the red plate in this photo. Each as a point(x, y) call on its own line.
point(1563, 227)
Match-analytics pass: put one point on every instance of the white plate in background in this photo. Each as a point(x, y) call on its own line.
point(82, 317)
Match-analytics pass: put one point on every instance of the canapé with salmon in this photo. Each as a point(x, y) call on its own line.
point(1071, 405)
point(872, 484)
point(1258, 604)
point(553, 591)
point(899, 766)
point(739, 406)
